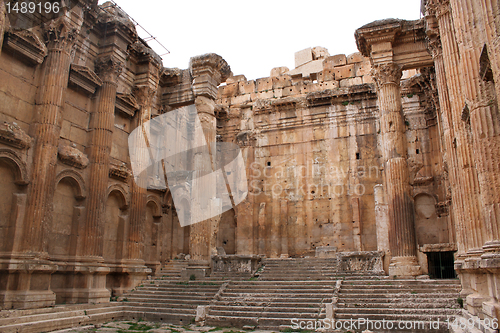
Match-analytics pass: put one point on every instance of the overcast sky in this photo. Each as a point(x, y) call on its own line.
point(256, 36)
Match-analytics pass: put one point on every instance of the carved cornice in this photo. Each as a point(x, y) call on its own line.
point(13, 135)
point(143, 53)
point(109, 68)
point(213, 61)
point(376, 32)
point(83, 78)
point(127, 104)
point(388, 73)
point(73, 157)
point(26, 45)
point(119, 171)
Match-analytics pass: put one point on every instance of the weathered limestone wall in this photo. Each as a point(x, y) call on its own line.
point(71, 92)
point(312, 139)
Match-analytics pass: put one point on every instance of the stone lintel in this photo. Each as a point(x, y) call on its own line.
point(401, 41)
point(445, 247)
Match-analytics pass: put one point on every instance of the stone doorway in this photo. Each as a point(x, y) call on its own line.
point(441, 265)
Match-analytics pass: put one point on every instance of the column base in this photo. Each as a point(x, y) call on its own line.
point(26, 299)
point(197, 269)
point(404, 266)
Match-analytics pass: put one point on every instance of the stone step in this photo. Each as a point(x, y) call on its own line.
point(412, 291)
point(168, 289)
point(392, 316)
point(397, 295)
point(309, 299)
point(369, 311)
point(262, 314)
point(61, 320)
point(441, 304)
point(148, 315)
point(273, 304)
point(264, 307)
point(171, 300)
point(177, 308)
point(185, 295)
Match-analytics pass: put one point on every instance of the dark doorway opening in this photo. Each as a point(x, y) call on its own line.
point(441, 265)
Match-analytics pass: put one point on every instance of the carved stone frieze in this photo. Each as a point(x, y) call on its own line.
point(12, 135)
point(73, 157)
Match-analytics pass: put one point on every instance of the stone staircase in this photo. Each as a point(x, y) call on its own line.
point(169, 301)
point(270, 304)
point(400, 301)
point(171, 271)
point(285, 289)
point(59, 317)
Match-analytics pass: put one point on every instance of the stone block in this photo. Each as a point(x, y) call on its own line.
point(351, 82)
point(367, 79)
point(328, 75)
point(335, 61)
point(319, 52)
point(236, 78)
point(277, 71)
point(282, 81)
point(303, 57)
point(355, 58)
point(344, 72)
point(229, 90)
point(264, 84)
point(247, 87)
point(362, 68)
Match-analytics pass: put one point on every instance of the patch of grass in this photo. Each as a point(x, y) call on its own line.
point(345, 103)
point(184, 283)
point(215, 329)
point(413, 292)
point(125, 299)
point(460, 302)
point(253, 278)
point(192, 277)
point(409, 95)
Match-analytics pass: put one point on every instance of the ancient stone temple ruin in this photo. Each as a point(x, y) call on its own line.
point(385, 161)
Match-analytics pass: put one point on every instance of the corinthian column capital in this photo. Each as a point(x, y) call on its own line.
point(387, 73)
point(60, 33)
point(438, 7)
point(109, 68)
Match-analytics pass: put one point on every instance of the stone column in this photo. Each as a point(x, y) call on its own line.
point(466, 190)
point(60, 37)
point(484, 122)
point(446, 127)
point(402, 237)
point(144, 96)
point(2, 23)
point(208, 71)
point(102, 124)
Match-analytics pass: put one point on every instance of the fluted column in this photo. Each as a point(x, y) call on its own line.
point(101, 125)
point(60, 36)
point(484, 120)
point(402, 240)
point(2, 23)
point(138, 199)
point(446, 128)
point(466, 189)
